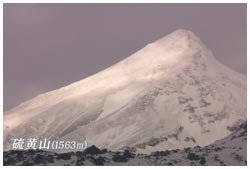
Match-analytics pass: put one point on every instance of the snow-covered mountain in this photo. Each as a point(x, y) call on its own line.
point(171, 94)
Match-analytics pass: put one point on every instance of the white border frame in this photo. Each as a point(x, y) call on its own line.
point(112, 1)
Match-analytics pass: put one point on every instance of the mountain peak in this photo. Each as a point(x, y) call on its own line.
point(181, 33)
point(180, 37)
point(184, 32)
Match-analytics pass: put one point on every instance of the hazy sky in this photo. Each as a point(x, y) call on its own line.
point(47, 46)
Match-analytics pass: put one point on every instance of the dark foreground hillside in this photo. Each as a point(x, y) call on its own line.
point(232, 150)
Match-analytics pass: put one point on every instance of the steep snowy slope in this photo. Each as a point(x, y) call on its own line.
point(171, 94)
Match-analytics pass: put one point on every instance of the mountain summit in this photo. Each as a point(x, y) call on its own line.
point(171, 94)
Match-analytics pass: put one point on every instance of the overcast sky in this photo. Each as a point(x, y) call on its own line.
point(47, 46)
